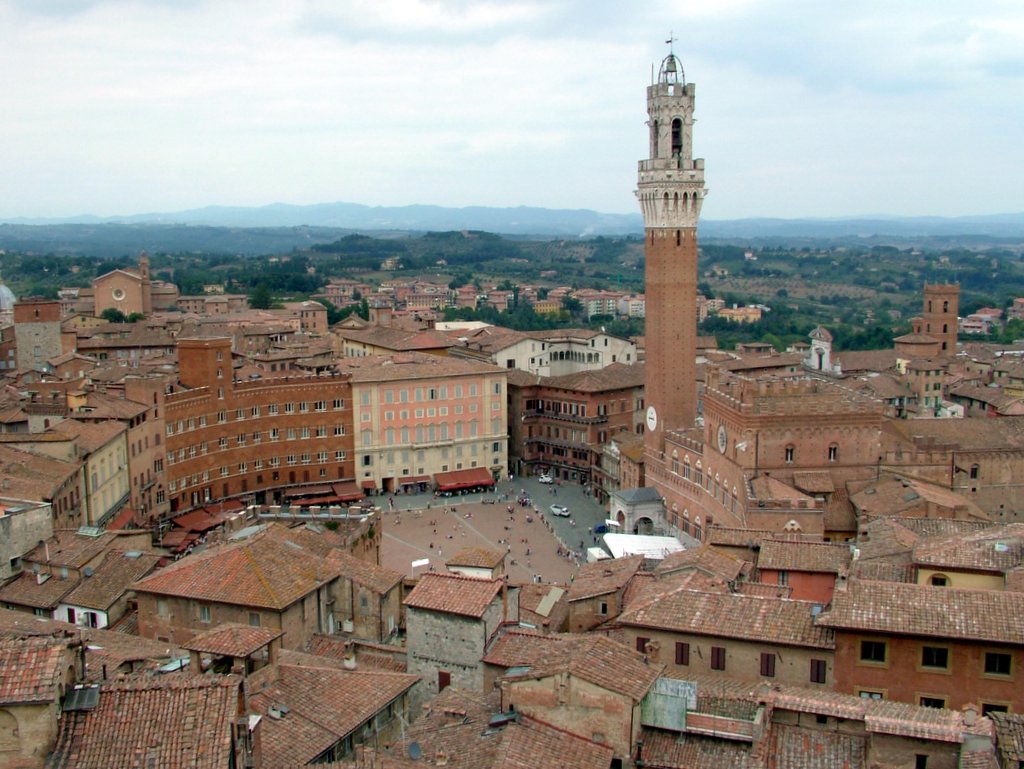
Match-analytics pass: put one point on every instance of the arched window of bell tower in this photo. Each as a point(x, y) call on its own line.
point(677, 137)
point(654, 138)
point(678, 238)
point(675, 202)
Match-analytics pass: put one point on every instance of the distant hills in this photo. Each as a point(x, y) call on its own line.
point(281, 227)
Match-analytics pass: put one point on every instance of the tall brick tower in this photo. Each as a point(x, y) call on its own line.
point(940, 311)
point(671, 190)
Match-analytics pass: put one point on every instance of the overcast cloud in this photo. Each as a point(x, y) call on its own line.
point(805, 108)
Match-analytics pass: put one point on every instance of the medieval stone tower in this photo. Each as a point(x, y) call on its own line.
point(671, 190)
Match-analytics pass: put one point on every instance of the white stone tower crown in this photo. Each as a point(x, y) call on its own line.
point(671, 182)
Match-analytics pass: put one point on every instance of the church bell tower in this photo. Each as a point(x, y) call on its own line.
point(670, 189)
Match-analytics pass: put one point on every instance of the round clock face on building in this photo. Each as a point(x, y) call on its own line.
point(652, 418)
point(723, 439)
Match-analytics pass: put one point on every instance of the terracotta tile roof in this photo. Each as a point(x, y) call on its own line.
point(262, 571)
point(543, 606)
point(379, 579)
point(923, 610)
point(519, 647)
point(456, 727)
point(723, 535)
point(26, 590)
point(892, 496)
point(670, 750)
point(788, 555)
point(965, 434)
point(997, 549)
point(1009, 735)
point(369, 656)
point(616, 376)
point(92, 436)
point(731, 615)
point(454, 594)
point(602, 662)
point(31, 669)
point(33, 476)
point(397, 339)
point(795, 747)
point(411, 365)
point(233, 640)
point(764, 589)
point(324, 706)
point(174, 722)
point(706, 558)
point(603, 577)
point(103, 647)
point(900, 718)
point(477, 557)
point(69, 548)
point(111, 579)
point(814, 482)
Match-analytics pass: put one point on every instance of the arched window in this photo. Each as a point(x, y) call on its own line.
point(974, 471)
point(677, 137)
point(790, 453)
point(833, 452)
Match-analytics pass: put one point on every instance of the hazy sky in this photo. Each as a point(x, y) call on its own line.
point(804, 108)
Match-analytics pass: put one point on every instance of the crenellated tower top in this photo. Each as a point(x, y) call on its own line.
point(671, 182)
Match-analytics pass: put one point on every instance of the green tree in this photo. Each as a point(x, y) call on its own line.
point(260, 298)
point(113, 315)
point(135, 317)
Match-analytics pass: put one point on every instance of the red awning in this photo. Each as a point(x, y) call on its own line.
point(464, 479)
point(331, 499)
point(347, 491)
point(122, 520)
point(369, 484)
point(308, 491)
point(414, 479)
point(199, 520)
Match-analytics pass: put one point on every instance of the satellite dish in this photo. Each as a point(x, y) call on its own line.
point(415, 751)
point(87, 571)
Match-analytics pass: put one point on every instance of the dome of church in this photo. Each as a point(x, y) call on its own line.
point(7, 299)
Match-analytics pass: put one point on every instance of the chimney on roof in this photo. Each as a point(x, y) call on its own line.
point(970, 714)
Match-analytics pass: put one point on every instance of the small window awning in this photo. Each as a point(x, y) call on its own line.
point(463, 479)
point(369, 484)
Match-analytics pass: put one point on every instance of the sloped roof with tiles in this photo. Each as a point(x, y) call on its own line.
point(111, 579)
point(1009, 735)
point(604, 577)
point(731, 615)
point(706, 558)
point(33, 476)
point(669, 750)
point(92, 436)
point(174, 722)
point(455, 730)
point(454, 594)
point(543, 605)
point(261, 571)
point(996, 549)
point(891, 496)
point(67, 547)
point(789, 555)
point(616, 376)
point(325, 705)
point(730, 537)
point(27, 590)
point(31, 669)
point(379, 579)
point(602, 662)
point(233, 640)
point(794, 747)
point(519, 647)
point(923, 610)
point(477, 557)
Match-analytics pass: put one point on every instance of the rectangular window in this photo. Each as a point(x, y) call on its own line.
point(682, 653)
point(870, 694)
point(204, 613)
point(641, 643)
point(818, 671)
point(718, 658)
point(768, 664)
point(988, 707)
point(998, 664)
point(935, 657)
point(254, 619)
point(932, 702)
point(872, 651)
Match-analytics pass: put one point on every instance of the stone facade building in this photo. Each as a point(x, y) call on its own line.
point(450, 620)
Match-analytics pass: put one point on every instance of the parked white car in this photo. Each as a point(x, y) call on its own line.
point(545, 478)
point(560, 510)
